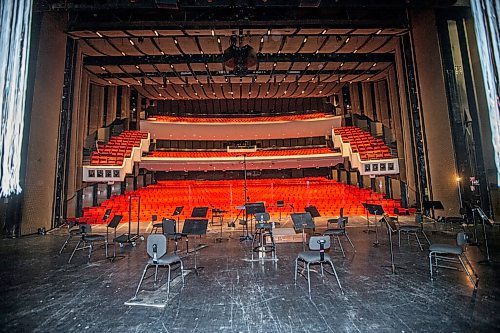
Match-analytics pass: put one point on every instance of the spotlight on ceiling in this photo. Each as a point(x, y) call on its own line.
point(239, 58)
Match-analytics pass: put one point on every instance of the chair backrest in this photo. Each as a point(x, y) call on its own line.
point(85, 228)
point(156, 246)
point(168, 226)
point(396, 211)
point(461, 239)
point(391, 225)
point(342, 221)
point(154, 218)
point(315, 242)
point(262, 217)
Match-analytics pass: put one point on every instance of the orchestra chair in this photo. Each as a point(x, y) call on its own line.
point(170, 231)
point(408, 229)
point(316, 255)
point(156, 225)
point(339, 231)
point(453, 254)
point(157, 252)
point(87, 240)
point(73, 231)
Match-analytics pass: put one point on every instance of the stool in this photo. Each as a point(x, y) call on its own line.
point(259, 242)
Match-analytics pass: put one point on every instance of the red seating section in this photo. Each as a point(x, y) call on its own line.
point(172, 119)
point(160, 199)
point(368, 147)
point(205, 154)
point(117, 149)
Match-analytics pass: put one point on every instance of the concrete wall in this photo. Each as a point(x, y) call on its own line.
point(42, 142)
point(442, 171)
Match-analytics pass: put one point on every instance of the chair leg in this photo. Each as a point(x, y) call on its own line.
point(466, 270)
point(430, 264)
point(90, 251)
point(341, 247)
point(399, 238)
point(426, 238)
point(322, 274)
point(73, 253)
point(65, 243)
point(349, 239)
point(336, 276)
point(296, 268)
point(182, 272)
point(140, 281)
point(156, 271)
point(308, 278)
point(168, 282)
point(418, 241)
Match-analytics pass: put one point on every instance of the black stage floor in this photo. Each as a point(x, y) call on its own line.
point(41, 292)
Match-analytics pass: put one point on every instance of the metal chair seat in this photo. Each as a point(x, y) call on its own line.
point(334, 232)
point(264, 226)
point(313, 256)
point(446, 248)
point(409, 228)
point(165, 260)
point(93, 237)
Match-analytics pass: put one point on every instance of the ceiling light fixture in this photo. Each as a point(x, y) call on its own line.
point(323, 32)
point(347, 40)
point(213, 32)
point(123, 53)
point(156, 33)
point(378, 32)
point(131, 42)
point(98, 34)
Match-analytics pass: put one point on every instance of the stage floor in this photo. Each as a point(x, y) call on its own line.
point(41, 292)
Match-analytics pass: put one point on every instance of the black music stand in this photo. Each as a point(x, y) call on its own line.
point(177, 212)
point(374, 209)
point(113, 224)
point(431, 205)
point(302, 221)
point(195, 227)
point(313, 211)
point(106, 214)
point(252, 209)
point(199, 212)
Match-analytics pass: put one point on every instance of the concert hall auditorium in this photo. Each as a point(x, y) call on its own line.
point(249, 166)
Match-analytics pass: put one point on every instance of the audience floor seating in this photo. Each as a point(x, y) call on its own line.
point(368, 147)
point(161, 199)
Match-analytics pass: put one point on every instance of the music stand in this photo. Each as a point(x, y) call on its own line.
point(106, 214)
point(195, 227)
point(199, 212)
point(302, 221)
point(374, 209)
point(313, 211)
point(252, 209)
point(431, 205)
point(113, 224)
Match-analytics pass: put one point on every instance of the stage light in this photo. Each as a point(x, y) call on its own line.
point(458, 179)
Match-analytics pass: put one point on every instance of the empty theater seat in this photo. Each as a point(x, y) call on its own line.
point(161, 199)
point(117, 149)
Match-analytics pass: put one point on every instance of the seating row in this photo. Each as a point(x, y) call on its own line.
point(117, 149)
point(173, 119)
point(368, 147)
point(161, 199)
point(276, 152)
